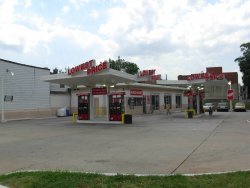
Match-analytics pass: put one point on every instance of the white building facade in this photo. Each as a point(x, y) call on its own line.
point(25, 94)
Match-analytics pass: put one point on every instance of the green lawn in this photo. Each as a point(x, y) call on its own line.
point(82, 180)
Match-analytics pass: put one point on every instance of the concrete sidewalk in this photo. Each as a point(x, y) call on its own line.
point(153, 144)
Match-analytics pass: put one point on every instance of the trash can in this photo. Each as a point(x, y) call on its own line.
point(190, 113)
point(127, 119)
point(67, 112)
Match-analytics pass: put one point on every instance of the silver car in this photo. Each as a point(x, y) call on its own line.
point(206, 106)
point(240, 106)
point(222, 106)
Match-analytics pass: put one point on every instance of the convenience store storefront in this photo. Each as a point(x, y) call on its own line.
point(104, 94)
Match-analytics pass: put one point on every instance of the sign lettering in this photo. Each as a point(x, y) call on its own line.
point(98, 68)
point(147, 73)
point(206, 76)
point(83, 66)
point(99, 91)
point(136, 92)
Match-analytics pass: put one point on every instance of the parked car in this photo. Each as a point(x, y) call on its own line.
point(222, 107)
point(206, 107)
point(240, 106)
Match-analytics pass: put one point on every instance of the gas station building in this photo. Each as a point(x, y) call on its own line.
point(99, 93)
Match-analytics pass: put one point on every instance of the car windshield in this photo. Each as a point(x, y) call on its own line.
point(208, 104)
point(240, 104)
point(222, 104)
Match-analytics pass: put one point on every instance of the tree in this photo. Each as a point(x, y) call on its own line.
point(58, 71)
point(121, 64)
point(244, 64)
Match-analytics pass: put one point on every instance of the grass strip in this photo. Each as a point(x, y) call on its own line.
point(59, 179)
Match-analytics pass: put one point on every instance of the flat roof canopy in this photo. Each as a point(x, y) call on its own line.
point(105, 77)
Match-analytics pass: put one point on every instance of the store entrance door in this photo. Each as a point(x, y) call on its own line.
point(83, 107)
point(116, 106)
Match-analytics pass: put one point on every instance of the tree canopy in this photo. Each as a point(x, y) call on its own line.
point(127, 66)
point(244, 64)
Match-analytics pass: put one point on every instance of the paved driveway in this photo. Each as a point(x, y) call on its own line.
point(153, 144)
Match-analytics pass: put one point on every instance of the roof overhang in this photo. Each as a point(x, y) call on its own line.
point(106, 77)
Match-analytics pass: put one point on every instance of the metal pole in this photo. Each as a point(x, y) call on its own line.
point(231, 105)
point(2, 98)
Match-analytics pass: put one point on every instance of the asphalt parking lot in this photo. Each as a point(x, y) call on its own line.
point(153, 144)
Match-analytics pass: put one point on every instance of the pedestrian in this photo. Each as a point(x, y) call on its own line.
point(168, 109)
point(210, 111)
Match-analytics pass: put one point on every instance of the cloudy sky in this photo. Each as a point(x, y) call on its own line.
point(172, 36)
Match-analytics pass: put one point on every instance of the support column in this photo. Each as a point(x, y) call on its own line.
point(91, 106)
point(107, 106)
point(198, 103)
point(173, 102)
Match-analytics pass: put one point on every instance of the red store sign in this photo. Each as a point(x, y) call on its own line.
point(206, 76)
point(83, 66)
point(98, 68)
point(137, 92)
point(156, 77)
point(99, 91)
point(147, 73)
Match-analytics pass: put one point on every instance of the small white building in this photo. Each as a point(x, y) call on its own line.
point(24, 94)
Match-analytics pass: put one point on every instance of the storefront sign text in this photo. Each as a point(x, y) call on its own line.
point(98, 68)
point(137, 92)
point(83, 66)
point(150, 74)
point(206, 76)
point(99, 91)
point(147, 73)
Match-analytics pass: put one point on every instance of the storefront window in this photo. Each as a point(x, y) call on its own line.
point(167, 100)
point(178, 101)
point(134, 101)
point(155, 102)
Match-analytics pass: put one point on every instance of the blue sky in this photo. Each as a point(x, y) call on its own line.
point(173, 37)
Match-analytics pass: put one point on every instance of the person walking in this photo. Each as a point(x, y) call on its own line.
point(210, 111)
point(168, 109)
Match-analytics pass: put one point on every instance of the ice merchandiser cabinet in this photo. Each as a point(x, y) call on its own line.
point(83, 107)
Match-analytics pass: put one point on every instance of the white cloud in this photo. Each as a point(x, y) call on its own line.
point(178, 21)
point(65, 9)
point(27, 3)
point(7, 12)
point(94, 14)
point(78, 3)
point(180, 36)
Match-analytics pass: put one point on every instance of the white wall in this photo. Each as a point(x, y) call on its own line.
point(60, 100)
point(28, 91)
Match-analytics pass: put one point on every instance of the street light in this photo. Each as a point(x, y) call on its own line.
point(2, 91)
point(230, 87)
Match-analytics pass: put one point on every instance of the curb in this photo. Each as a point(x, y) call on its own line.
point(126, 174)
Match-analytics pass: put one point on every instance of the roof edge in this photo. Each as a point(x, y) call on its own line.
point(8, 61)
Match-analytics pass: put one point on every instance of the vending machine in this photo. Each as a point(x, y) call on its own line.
point(116, 106)
point(83, 107)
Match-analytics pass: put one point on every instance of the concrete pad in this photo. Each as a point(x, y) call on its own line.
point(153, 144)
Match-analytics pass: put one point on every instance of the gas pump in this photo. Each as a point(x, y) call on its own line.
point(83, 107)
point(116, 105)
